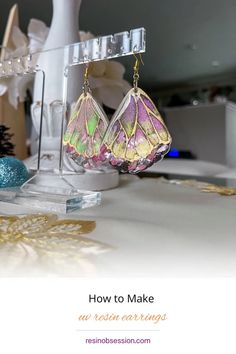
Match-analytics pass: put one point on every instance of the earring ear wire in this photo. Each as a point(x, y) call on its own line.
point(138, 60)
point(86, 87)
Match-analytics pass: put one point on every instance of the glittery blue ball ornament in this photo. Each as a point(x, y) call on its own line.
point(13, 172)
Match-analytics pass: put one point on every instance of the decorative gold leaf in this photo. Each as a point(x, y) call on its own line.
point(31, 224)
point(72, 227)
point(204, 186)
point(43, 237)
point(5, 222)
point(225, 191)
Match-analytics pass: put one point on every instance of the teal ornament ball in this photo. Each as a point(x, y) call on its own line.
point(13, 172)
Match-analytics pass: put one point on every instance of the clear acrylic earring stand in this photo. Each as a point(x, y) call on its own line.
point(65, 197)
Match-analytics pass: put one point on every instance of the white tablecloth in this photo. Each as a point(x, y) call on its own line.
point(154, 229)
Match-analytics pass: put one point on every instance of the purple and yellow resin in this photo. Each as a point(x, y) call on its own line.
point(137, 136)
point(85, 132)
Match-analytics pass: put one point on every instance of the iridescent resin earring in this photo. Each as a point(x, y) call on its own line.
point(86, 128)
point(137, 136)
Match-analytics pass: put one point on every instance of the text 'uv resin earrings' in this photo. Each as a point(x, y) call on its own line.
point(85, 130)
point(137, 136)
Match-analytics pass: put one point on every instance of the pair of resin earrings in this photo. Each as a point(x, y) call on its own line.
point(135, 138)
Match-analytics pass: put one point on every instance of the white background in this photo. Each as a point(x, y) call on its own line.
point(41, 316)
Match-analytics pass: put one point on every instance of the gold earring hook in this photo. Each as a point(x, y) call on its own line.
point(138, 60)
point(86, 87)
point(86, 73)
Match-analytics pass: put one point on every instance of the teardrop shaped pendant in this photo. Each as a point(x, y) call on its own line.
point(137, 136)
point(85, 131)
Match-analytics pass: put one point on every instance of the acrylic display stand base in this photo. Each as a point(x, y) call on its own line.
point(80, 179)
point(50, 202)
point(41, 193)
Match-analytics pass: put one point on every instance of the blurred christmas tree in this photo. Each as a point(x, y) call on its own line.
point(6, 147)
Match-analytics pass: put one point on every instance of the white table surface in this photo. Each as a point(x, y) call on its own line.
point(154, 229)
point(189, 167)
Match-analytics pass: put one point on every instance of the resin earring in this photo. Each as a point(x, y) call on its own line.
point(137, 136)
point(85, 130)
